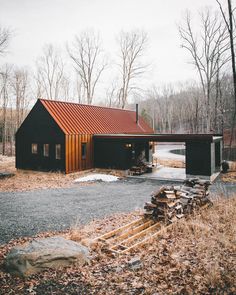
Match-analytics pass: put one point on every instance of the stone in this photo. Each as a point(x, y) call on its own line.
point(135, 263)
point(118, 269)
point(42, 254)
point(6, 175)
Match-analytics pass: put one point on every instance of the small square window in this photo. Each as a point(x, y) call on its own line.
point(34, 148)
point(84, 150)
point(58, 151)
point(46, 150)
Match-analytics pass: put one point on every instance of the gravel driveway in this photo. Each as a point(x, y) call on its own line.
point(28, 213)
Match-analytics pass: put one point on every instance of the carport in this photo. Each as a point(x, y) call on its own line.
point(120, 151)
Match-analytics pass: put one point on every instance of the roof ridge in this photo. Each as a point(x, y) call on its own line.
point(83, 104)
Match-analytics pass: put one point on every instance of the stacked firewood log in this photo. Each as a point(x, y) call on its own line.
point(170, 203)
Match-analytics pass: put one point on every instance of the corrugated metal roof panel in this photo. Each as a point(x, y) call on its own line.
point(76, 118)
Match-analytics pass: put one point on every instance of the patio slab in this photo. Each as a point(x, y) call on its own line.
point(165, 173)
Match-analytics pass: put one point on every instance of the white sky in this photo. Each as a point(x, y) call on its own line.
point(37, 22)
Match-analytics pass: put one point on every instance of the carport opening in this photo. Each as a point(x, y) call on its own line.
point(130, 151)
point(169, 160)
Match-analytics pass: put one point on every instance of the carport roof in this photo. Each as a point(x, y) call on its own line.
point(164, 137)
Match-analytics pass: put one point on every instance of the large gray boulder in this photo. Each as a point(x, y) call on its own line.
point(45, 253)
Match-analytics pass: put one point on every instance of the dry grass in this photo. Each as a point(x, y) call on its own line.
point(230, 176)
point(25, 180)
point(195, 256)
point(100, 226)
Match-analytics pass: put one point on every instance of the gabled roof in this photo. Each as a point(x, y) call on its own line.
point(74, 118)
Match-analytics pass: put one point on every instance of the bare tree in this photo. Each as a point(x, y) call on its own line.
point(208, 50)
point(132, 49)
point(50, 70)
point(78, 89)
point(5, 35)
point(230, 25)
point(20, 85)
point(89, 61)
point(5, 76)
point(65, 88)
point(111, 94)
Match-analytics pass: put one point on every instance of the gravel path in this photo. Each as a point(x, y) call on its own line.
point(28, 213)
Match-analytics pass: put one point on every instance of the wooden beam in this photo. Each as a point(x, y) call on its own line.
point(118, 230)
point(133, 231)
point(161, 231)
point(139, 235)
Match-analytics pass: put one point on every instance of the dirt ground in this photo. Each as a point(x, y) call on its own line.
point(25, 180)
point(195, 256)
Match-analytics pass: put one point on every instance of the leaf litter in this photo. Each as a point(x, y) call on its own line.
point(196, 256)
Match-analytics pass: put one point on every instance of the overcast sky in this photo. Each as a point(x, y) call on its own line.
point(36, 22)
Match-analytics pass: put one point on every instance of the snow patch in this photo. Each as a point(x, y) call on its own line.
point(97, 177)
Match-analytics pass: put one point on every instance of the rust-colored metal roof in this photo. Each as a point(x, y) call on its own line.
point(74, 118)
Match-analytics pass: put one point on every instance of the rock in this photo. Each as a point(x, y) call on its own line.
point(41, 254)
point(6, 175)
point(135, 263)
point(118, 269)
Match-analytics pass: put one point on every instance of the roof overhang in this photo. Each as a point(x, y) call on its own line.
point(163, 137)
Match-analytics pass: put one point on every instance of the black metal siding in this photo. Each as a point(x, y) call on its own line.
point(198, 158)
point(113, 153)
point(39, 127)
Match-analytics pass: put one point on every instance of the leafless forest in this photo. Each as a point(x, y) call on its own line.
point(72, 73)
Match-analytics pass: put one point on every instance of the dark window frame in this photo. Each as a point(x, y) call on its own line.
point(58, 151)
point(34, 148)
point(46, 149)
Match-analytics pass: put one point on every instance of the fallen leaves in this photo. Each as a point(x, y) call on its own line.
point(25, 180)
point(194, 256)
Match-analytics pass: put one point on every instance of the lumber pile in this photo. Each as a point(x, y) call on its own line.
point(140, 169)
point(170, 203)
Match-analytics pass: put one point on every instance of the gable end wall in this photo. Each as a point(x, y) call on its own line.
point(39, 127)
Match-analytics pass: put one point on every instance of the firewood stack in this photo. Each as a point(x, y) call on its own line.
point(170, 203)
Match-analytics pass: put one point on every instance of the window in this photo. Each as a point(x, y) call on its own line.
point(83, 150)
point(58, 151)
point(46, 150)
point(34, 148)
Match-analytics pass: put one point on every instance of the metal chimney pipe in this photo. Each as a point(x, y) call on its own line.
point(136, 113)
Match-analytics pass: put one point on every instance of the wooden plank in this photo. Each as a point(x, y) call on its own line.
point(115, 231)
point(140, 234)
point(169, 192)
point(161, 231)
point(133, 231)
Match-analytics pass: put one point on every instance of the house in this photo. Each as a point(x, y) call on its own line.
point(60, 136)
point(69, 137)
